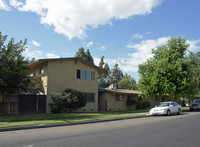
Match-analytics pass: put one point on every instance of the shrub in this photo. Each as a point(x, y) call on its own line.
point(130, 101)
point(139, 105)
point(56, 102)
point(69, 99)
point(146, 105)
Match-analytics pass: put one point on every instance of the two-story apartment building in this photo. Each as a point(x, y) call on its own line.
point(61, 73)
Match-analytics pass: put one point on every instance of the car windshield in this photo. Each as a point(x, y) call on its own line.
point(163, 105)
point(197, 101)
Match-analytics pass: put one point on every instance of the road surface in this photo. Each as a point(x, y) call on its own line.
point(160, 131)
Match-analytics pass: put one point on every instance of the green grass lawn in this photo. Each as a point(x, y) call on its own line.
point(42, 119)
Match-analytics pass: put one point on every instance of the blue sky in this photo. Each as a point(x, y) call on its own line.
point(122, 31)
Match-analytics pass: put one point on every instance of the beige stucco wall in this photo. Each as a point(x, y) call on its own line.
point(107, 102)
point(44, 84)
point(62, 75)
point(113, 105)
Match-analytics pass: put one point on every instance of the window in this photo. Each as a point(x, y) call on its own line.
point(119, 98)
point(90, 97)
point(41, 70)
point(86, 75)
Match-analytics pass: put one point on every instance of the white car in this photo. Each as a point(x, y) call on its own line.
point(166, 108)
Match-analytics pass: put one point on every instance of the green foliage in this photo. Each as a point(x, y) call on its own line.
point(104, 78)
point(168, 72)
point(69, 99)
point(127, 82)
point(116, 74)
point(146, 105)
point(57, 102)
point(130, 101)
point(13, 66)
point(194, 59)
point(84, 55)
point(139, 105)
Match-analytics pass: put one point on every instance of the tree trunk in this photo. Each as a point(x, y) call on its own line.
point(3, 102)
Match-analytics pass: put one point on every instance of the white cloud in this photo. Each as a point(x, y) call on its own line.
point(51, 55)
point(37, 54)
point(141, 54)
point(15, 3)
point(100, 47)
point(35, 43)
point(4, 6)
point(137, 36)
point(72, 17)
point(194, 45)
point(89, 44)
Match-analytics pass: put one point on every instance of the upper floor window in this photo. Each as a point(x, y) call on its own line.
point(41, 70)
point(86, 75)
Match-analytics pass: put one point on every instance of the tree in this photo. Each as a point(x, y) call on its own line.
point(195, 63)
point(13, 66)
point(116, 74)
point(168, 72)
point(104, 78)
point(84, 55)
point(127, 82)
point(69, 99)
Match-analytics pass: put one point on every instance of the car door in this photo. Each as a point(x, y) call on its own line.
point(175, 107)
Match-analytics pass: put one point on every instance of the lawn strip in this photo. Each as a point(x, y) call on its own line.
point(72, 120)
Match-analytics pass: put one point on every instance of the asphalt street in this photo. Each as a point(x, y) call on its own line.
point(160, 131)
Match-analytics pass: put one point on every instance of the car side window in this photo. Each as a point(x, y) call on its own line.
point(175, 104)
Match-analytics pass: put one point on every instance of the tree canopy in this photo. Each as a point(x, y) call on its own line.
point(104, 78)
point(13, 66)
point(168, 72)
point(85, 55)
point(127, 82)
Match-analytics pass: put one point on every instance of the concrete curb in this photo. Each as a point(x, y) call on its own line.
point(67, 124)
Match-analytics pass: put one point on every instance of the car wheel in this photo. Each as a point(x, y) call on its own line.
point(179, 111)
point(168, 113)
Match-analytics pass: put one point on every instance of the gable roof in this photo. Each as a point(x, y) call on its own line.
point(40, 61)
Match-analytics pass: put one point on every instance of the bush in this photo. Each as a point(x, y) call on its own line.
point(139, 105)
point(56, 102)
point(70, 99)
point(130, 101)
point(146, 105)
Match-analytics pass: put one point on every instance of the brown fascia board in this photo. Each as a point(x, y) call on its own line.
point(122, 91)
point(40, 61)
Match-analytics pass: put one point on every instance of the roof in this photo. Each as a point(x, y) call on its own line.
point(40, 61)
point(121, 91)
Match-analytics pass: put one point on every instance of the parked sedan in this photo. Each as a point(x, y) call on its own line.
point(166, 108)
point(195, 105)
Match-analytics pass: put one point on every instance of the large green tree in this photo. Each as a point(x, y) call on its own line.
point(104, 78)
point(116, 74)
point(127, 82)
point(195, 63)
point(13, 66)
point(168, 72)
point(85, 55)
